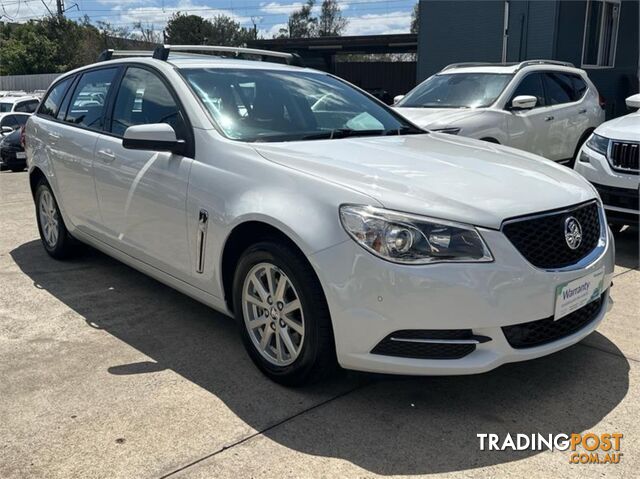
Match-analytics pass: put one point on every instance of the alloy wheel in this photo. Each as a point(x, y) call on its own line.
point(273, 314)
point(49, 220)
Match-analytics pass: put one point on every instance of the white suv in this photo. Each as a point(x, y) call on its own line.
point(545, 107)
point(21, 104)
point(610, 161)
point(335, 232)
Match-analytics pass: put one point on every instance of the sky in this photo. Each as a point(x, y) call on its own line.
point(366, 17)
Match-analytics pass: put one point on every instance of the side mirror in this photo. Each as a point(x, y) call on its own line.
point(524, 102)
point(152, 137)
point(6, 130)
point(633, 101)
point(397, 98)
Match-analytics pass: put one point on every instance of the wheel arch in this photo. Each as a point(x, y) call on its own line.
point(241, 237)
point(35, 176)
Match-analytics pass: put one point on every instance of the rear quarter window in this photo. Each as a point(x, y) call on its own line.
point(579, 86)
point(52, 102)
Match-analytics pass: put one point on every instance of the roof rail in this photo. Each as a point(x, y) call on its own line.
point(528, 63)
point(476, 64)
point(111, 53)
point(520, 65)
point(161, 52)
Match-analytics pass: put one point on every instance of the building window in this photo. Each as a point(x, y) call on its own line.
point(600, 33)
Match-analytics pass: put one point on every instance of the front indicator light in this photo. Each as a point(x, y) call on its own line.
point(411, 239)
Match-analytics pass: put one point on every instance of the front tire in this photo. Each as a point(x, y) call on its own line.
point(283, 315)
point(53, 233)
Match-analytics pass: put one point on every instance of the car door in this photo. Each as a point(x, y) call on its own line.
point(569, 116)
point(529, 129)
point(73, 139)
point(142, 194)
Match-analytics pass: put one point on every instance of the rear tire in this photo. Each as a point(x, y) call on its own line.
point(284, 321)
point(55, 238)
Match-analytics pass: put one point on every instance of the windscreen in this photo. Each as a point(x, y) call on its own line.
point(457, 90)
point(271, 105)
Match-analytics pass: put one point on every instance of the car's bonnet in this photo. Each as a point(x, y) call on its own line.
point(431, 118)
point(438, 175)
point(624, 128)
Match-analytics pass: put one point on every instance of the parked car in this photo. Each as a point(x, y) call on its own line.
point(9, 122)
point(610, 161)
point(12, 155)
point(5, 93)
point(344, 235)
point(545, 107)
point(23, 104)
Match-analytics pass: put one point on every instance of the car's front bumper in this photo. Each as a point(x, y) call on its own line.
point(619, 191)
point(370, 298)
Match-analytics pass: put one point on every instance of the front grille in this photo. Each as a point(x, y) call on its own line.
point(543, 331)
point(619, 197)
point(404, 349)
point(541, 239)
point(625, 156)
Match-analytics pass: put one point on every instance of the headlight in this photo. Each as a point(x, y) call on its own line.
point(598, 143)
point(451, 131)
point(410, 239)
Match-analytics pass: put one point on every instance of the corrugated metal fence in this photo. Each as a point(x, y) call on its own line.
point(27, 83)
point(394, 78)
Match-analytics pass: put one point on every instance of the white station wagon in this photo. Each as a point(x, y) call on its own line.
point(332, 228)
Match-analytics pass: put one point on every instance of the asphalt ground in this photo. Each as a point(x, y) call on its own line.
point(105, 372)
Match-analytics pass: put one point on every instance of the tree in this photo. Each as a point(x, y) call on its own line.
point(44, 46)
point(301, 23)
point(27, 52)
point(331, 23)
point(146, 33)
point(226, 31)
point(415, 18)
point(187, 29)
point(195, 30)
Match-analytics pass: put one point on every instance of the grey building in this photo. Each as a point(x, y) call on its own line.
point(600, 36)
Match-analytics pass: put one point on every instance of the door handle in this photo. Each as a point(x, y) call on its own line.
point(53, 136)
point(548, 118)
point(107, 155)
point(584, 110)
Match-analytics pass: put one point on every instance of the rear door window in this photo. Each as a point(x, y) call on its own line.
point(559, 88)
point(52, 102)
point(87, 104)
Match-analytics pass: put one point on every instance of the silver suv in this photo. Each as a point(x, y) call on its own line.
point(333, 229)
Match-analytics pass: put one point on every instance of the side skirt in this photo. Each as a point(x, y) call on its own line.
point(199, 295)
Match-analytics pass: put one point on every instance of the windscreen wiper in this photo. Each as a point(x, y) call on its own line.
point(342, 133)
point(404, 130)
